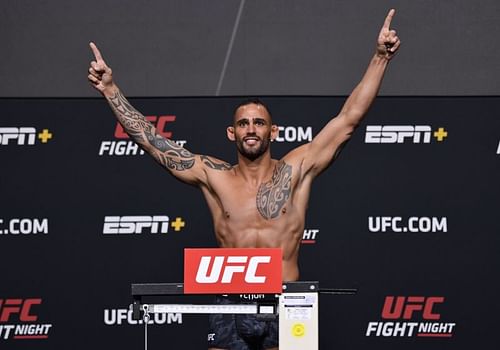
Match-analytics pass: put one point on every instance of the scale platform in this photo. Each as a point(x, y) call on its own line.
point(297, 306)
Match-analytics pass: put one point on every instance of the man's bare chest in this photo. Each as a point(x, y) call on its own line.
point(266, 200)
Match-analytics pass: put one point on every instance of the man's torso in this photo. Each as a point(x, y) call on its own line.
point(269, 214)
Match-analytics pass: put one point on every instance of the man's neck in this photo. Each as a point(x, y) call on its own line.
point(255, 171)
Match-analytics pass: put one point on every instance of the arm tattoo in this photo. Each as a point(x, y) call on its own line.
point(272, 195)
point(170, 155)
point(217, 165)
point(133, 122)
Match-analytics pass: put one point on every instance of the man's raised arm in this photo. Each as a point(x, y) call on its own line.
point(325, 147)
point(183, 164)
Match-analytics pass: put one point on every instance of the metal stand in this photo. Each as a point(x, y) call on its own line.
point(297, 305)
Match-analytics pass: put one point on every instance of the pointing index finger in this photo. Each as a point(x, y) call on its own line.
point(96, 52)
point(388, 19)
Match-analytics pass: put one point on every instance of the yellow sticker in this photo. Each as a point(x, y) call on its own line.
point(298, 330)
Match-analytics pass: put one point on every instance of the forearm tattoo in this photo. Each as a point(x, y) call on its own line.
point(272, 195)
point(213, 164)
point(170, 155)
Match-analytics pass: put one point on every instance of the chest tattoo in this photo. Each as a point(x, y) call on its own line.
point(272, 195)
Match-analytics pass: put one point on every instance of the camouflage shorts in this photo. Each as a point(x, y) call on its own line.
point(241, 332)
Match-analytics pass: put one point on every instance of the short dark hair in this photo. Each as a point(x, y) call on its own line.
point(252, 100)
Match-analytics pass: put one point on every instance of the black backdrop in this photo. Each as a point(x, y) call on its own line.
point(56, 195)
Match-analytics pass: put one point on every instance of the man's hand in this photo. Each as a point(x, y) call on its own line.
point(100, 75)
point(387, 42)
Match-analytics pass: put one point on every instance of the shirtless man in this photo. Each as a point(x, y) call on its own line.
point(259, 202)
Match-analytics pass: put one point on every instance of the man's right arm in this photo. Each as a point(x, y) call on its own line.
point(166, 152)
point(183, 164)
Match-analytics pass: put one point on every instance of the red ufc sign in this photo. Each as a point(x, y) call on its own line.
point(232, 270)
point(159, 122)
point(22, 307)
point(406, 306)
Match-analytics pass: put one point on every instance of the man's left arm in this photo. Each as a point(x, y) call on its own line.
point(326, 146)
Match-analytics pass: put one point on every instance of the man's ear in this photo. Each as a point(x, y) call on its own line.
point(274, 132)
point(230, 133)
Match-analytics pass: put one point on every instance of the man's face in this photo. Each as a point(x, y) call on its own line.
point(252, 130)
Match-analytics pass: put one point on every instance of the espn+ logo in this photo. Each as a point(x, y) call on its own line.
point(137, 224)
point(403, 133)
point(22, 136)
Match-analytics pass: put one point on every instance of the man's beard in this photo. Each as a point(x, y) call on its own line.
point(252, 153)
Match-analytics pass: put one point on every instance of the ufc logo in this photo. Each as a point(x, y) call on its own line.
point(397, 133)
point(21, 307)
point(232, 270)
point(405, 307)
point(159, 122)
point(227, 266)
